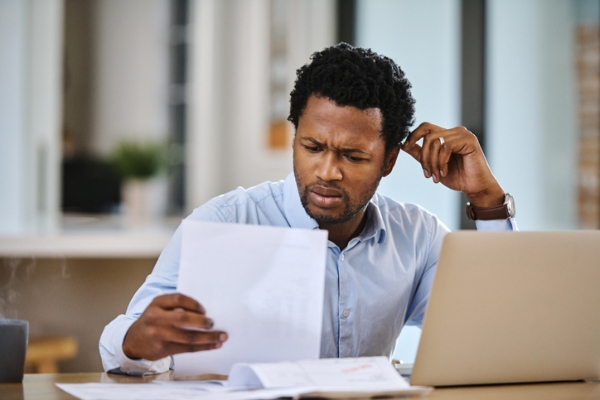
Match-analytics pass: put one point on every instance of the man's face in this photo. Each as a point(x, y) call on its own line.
point(339, 159)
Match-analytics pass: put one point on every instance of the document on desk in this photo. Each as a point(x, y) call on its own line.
point(361, 377)
point(364, 377)
point(263, 285)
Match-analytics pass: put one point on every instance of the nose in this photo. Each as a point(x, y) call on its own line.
point(328, 168)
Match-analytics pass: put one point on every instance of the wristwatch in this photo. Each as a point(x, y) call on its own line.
point(504, 211)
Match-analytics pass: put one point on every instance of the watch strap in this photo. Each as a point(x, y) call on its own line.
point(487, 213)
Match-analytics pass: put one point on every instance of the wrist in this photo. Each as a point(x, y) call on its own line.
point(487, 198)
point(504, 211)
point(127, 350)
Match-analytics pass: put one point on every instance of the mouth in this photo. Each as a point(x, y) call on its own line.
point(325, 197)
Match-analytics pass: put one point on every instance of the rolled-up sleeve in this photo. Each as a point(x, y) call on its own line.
point(113, 358)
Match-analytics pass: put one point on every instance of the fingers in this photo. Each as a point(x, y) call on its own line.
point(430, 155)
point(174, 340)
point(176, 348)
point(426, 156)
point(177, 311)
point(433, 155)
point(444, 159)
point(178, 300)
point(439, 156)
point(195, 337)
point(438, 146)
point(177, 318)
point(434, 160)
point(171, 324)
point(182, 342)
point(422, 130)
point(414, 151)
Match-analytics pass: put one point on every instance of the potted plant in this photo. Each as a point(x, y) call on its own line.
point(138, 163)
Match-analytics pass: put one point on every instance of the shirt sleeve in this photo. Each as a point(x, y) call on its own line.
point(113, 358)
point(162, 280)
point(438, 230)
point(497, 225)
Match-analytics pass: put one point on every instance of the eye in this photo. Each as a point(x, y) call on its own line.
point(312, 149)
point(352, 158)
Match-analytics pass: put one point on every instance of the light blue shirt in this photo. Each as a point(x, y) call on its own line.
point(376, 285)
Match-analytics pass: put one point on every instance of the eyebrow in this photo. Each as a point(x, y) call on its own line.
point(343, 150)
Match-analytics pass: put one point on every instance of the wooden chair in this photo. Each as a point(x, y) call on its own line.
point(44, 353)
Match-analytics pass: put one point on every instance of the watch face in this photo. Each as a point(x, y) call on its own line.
point(510, 205)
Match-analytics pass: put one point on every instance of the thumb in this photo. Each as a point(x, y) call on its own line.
point(414, 151)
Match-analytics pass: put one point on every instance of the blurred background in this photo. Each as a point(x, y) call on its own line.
point(118, 117)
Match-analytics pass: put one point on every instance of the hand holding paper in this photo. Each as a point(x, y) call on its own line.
point(171, 324)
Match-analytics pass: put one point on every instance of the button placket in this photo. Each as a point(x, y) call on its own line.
point(342, 304)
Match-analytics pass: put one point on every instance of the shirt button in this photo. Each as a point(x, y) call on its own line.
point(346, 313)
point(342, 257)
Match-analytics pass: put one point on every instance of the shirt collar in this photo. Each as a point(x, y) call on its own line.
point(375, 227)
point(298, 218)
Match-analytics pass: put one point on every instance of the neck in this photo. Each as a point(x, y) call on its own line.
point(342, 233)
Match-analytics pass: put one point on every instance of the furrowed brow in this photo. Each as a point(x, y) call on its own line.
point(312, 140)
point(353, 150)
point(346, 150)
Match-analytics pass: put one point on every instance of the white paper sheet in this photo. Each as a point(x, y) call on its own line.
point(264, 286)
point(151, 391)
point(360, 377)
point(364, 373)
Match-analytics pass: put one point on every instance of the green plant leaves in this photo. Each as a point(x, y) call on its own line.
point(140, 160)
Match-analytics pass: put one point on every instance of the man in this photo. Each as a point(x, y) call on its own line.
point(352, 109)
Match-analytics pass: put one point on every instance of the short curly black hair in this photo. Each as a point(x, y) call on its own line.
point(353, 76)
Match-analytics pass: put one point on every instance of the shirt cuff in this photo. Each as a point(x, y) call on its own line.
point(497, 225)
point(141, 366)
point(114, 359)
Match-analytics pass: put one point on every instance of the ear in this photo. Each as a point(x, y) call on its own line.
point(390, 160)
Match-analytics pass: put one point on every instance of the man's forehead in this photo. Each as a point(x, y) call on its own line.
point(324, 102)
point(324, 111)
point(375, 112)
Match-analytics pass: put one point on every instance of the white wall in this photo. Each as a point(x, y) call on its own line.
point(423, 37)
point(531, 123)
point(130, 74)
point(31, 37)
point(13, 95)
point(312, 28)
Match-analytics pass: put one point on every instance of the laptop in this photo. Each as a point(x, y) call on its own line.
point(509, 307)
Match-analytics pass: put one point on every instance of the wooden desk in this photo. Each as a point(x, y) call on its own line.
point(42, 386)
